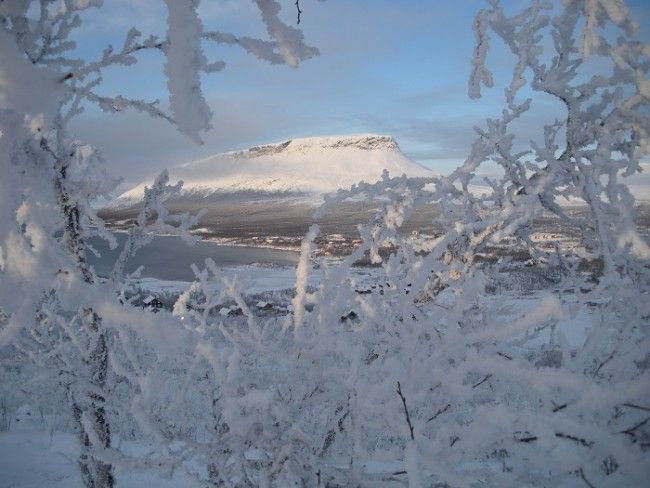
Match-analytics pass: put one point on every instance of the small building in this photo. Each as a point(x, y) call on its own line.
point(262, 305)
point(231, 311)
point(152, 303)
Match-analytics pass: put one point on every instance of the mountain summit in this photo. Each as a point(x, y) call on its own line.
point(313, 165)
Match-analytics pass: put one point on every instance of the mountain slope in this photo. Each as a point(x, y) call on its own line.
point(314, 165)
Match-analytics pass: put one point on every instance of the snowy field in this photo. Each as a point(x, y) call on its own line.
point(38, 449)
point(36, 452)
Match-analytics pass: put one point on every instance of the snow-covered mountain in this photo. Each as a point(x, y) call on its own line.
point(314, 165)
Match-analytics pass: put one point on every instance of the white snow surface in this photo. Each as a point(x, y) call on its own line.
point(32, 455)
point(314, 165)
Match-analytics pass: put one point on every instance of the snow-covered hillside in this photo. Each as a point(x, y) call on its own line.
point(314, 165)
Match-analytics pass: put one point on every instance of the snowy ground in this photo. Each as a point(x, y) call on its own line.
point(32, 456)
point(255, 279)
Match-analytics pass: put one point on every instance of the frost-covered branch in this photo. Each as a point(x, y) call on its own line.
point(154, 219)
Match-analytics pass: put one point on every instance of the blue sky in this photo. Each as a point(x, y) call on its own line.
point(396, 67)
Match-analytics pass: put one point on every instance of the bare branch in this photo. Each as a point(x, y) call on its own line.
point(299, 11)
point(578, 440)
point(581, 473)
point(631, 430)
point(440, 412)
point(487, 377)
point(406, 410)
point(638, 407)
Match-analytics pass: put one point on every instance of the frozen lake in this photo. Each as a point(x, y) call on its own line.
point(169, 257)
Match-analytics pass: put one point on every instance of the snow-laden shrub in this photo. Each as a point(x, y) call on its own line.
point(430, 379)
point(459, 386)
point(78, 334)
